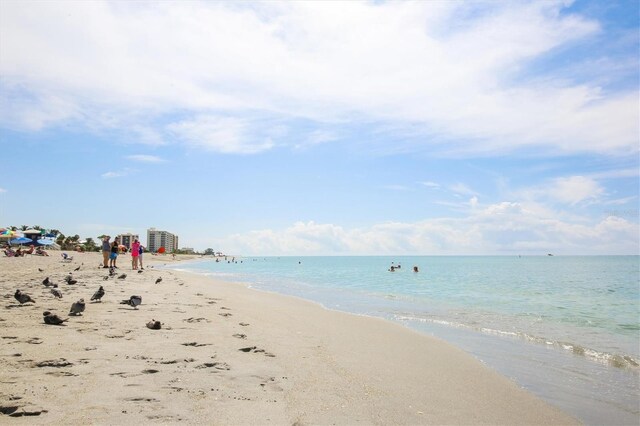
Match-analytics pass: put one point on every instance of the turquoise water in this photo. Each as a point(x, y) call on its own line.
point(565, 327)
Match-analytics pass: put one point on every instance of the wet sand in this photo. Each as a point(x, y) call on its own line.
point(226, 355)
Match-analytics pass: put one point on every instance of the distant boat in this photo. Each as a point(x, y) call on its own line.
point(549, 254)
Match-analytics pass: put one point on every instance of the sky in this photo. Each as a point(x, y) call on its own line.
point(326, 128)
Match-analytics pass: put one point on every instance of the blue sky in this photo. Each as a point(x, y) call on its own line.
point(309, 128)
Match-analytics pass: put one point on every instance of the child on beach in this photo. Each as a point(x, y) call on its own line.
point(140, 256)
point(114, 254)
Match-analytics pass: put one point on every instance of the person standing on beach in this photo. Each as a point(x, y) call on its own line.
point(135, 252)
point(140, 256)
point(114, 254)
point(106, 250)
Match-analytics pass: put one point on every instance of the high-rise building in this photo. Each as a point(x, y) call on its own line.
point(157, 239)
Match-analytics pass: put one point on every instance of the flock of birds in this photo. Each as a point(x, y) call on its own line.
point(79, 306)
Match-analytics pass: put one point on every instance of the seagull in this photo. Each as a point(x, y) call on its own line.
point(69, 279)
point(77, 308)
point(98, 294)
point(47, 282)
point(159, 280)
point(57, 293)
point(154, 325)
point(133, 301)
point(23, 297)
point(53, 319)
point(122, 277)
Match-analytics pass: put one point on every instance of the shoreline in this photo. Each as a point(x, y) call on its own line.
point(231, 354)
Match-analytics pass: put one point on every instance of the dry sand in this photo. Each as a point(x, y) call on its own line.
point(227, 355)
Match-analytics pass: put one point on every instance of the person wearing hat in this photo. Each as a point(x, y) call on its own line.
point(106, 251)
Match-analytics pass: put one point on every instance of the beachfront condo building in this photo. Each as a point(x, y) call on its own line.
point(157, 239)
point(127, 239)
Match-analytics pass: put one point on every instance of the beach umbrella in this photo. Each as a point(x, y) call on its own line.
point(161, 250)
point(46, 241)
point(21, 240)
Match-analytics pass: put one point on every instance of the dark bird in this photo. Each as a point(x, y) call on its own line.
point(69, 279)
point(47, 282)
point(140, 271)
point(78, 268)
point(159, 280)
point(77, 308)
point(98, 294)
point(106, 277)
point(40, 270)
point(23, 297)
point(122, 277)
point(112, 271)
point(57, 293)
point(133, 301)
point(53, 319)
point(154, 325)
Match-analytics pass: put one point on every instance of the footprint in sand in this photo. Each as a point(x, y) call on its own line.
point(196, 344)
point(226, 314)
point(255, 349)
point(240, 336)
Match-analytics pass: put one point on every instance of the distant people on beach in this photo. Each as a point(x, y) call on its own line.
point(113, 256)
point(106, 251)
point(392, 268)
point(135, 252)
point(41, 252)
point(415, 269)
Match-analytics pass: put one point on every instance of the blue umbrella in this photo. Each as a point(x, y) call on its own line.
point(21, 240)
point(45, 241)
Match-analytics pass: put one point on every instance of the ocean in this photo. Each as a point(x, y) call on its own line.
point(567, 328)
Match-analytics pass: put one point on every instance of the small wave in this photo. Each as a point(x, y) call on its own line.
point(614, 360)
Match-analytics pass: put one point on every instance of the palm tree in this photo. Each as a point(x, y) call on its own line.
point(37, 227)
point(24, 227)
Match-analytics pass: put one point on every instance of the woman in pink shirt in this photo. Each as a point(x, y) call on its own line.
point(135, 252)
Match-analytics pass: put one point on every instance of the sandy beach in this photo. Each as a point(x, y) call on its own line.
point(226, 355)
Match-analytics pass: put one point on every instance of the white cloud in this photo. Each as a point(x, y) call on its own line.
point(116, 174)
point(505, 227)
point(575, 189)
point(2, 190)
point(431, 185)
point(462, 189)
point(143, 158)
point(221, 134)
point(448, 69)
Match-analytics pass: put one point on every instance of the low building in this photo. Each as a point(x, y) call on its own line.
point(187, 250)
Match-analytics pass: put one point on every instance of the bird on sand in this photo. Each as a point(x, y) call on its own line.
point(159, 280)
point(77, 308)
point(40, 270)
point(47, 282)
point(53, 319)
point(78, 268)
point(154, 325)
point(69, 279)
point(98, 294)
point(57, 293)
point(23, 297)
point(122, 277)
point(105, 278)
point(140, 271)
point(112, 271)
point(133, 301)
